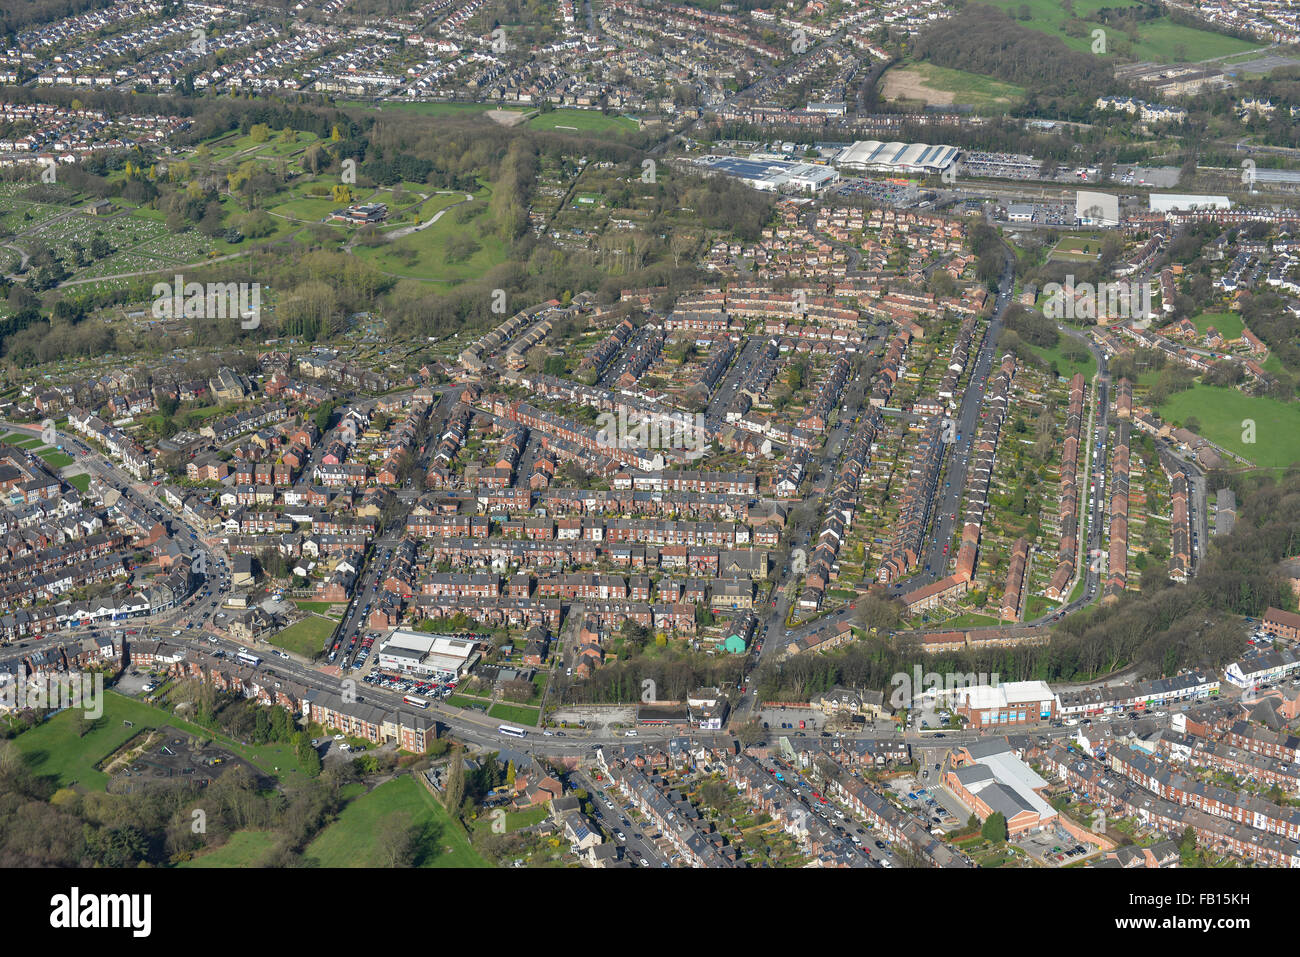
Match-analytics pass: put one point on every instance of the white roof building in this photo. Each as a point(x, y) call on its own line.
point(415, 652)
point(897, 157)
point(1174, 202)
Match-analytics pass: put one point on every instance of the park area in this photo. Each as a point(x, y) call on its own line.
point(1158, 39)
point(55, 749)
point(1224, 416)
point(359, 837)
point(582, 121)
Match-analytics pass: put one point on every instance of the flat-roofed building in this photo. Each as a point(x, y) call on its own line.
point(417, 653)
point(1013, 702)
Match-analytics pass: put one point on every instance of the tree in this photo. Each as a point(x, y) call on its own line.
point(1187, 847)
point(749, 734)
point(995, 828)
point(308, 757)
point(454, 789)
point(397, 839)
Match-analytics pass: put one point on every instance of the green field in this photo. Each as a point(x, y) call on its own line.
point(969, 620)
point(1229, 324)
point(514, 713)
point(462, 701)
point(244, 849)
point(424, 109)
point(80, 482)
point(306, 637)
point(939, 85)
point(583, 121)
point(53, 749)
point(1036, 606)
point(1160, 40)
point(319, 607)
point(354, 839)
point(1221, 413)
point(1064, 366)
point(423, 254)
point(56, 459)
point(514, 820)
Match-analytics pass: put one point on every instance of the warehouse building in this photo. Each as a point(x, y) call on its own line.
point(1182, 202)
point(1096, 209)
point(881, 157)
point(773, 175)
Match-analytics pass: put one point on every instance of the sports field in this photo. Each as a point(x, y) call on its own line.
point(582, 121)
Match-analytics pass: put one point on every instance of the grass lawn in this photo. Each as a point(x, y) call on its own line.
point(1160, 39)
point(585, 121)
point(423, 254)
point(460, 701)
point(969, 620)
point(80, 482)
point(514, 713)
point(319, 607)
point(514, 819)
point(244, 849)
point(1077, 249)
point(943, 86)
point(353, 839)
point(424, 109)
point(1229, 324)
point(55, 459)
point(306, 637)
point(1064, 366)
point(1037, 605)
point(53, 748)
point(1221, 412)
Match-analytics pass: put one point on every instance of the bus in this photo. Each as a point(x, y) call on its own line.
point(245, 658)
point(511, 731)
point(415, 702)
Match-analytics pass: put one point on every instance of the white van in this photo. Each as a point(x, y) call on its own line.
point(630, 734)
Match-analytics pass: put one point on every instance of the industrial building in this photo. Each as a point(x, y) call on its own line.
point(876, 156)
point(773, 175)
point(1096, 209)
point(1181, 202)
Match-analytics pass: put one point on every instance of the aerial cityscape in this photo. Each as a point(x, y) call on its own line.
point(649, 435)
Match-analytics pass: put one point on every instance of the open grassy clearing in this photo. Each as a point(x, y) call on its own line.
point(1221, 415)
point(306, 637)
point(355, 839)
point(1160, 40)
point(584, 121)
point(941, 86)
